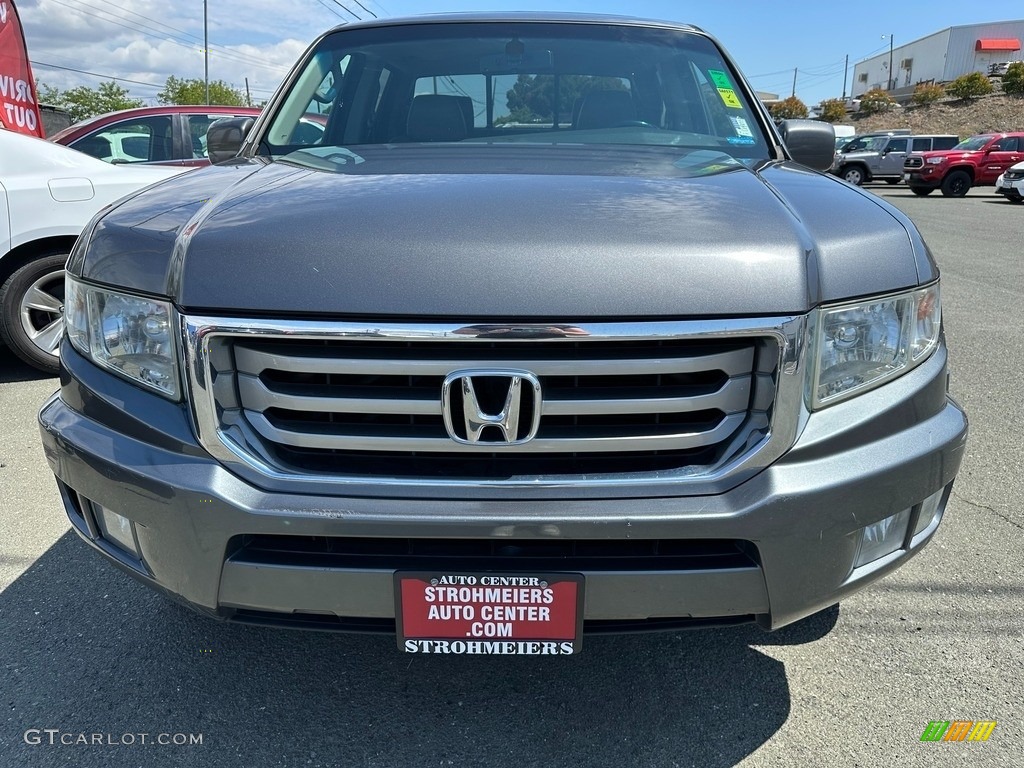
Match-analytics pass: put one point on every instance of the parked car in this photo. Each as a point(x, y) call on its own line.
point(975, 161)
point(863, 141)
point(487, 371)
point(882, 157)
point(47, 195)
point(1011, 183)
point(168, 135)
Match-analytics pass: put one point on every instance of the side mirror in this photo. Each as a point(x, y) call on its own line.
point(224, 138)
point(810, 142)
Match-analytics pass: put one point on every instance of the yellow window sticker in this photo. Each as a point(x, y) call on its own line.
point(729, 98)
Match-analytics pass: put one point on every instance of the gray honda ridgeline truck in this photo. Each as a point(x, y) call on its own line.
point(492, 331)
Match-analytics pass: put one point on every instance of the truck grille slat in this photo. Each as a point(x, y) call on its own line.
point(254, 361)
point(394, 439)
point(732, 397)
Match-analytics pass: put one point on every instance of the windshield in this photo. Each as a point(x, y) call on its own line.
point(515, 84)
point(974, 143)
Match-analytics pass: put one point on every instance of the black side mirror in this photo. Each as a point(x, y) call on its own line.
point(810, 142)
point(224, 137)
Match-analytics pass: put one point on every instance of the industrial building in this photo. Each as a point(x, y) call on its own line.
point(939, 57)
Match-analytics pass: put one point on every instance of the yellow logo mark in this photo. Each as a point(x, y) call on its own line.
point(982, 730)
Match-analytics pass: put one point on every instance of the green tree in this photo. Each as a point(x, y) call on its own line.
point(875, 101)
point(193, 91)
point(926, 94)
point(83, 102)
point(532, 98)
point(970, 86)
point(1013, 80)
point(833, 110)
point(788, 108)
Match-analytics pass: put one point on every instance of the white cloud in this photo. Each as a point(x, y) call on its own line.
point(147, 40)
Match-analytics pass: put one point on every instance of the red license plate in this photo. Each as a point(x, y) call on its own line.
point(489, 613)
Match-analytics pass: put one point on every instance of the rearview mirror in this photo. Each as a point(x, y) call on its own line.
point(810, 142)
point(224, 138)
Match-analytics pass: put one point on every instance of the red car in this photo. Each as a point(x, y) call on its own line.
point(974, 161)
point(168, 135)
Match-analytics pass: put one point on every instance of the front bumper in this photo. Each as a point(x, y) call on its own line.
point(796, 525)
point(1012, 188)
point(926, 177)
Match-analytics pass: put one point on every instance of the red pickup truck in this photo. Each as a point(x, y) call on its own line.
point(977, 160)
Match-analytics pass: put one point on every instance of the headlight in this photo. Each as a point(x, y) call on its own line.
point(935, 160)
point(129, 335)
point(863, 345)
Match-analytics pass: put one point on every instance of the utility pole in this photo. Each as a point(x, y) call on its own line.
point(248, 98)
point(846, 68)
point(206, 54)
point(892, 80)
point(889, 83)
point(794, 82)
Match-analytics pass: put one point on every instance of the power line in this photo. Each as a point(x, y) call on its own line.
point(95, 74)
point(157, 86)
point(141, 29)
point(366, 9)
point(325, 5)
point(347, 10)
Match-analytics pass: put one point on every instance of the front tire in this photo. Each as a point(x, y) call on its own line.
point(956, 184)
point(892, 181)
point(922, 191)
point(32, 311)
point(853, 174)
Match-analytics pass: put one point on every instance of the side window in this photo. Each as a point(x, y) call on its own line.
point(897, 145)
point(144, 140)
point(922, 145)
point(198, 125)
point(945, 142)
point(1006, 144)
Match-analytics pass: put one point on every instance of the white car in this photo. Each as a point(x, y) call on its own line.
point(1011, 183)
point(48, 193)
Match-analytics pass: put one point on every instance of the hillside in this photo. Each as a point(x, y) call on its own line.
point(989, 113)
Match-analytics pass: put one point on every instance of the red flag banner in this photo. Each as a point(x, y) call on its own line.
point(18, 108)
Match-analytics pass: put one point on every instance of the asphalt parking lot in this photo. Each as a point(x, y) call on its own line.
point(85, 650)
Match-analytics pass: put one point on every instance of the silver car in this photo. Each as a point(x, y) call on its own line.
point(548, 331)
point(881, 158)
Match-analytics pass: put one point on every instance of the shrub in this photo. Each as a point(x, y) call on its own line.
point(833, 110)
point(1013, 80)
point(927, 94)
point(876, 100)
point(788, 108)
point(970, 86)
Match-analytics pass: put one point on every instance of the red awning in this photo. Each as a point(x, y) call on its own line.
point(997, 44)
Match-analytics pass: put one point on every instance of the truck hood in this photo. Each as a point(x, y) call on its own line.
point(950, 154)
point(398, 240)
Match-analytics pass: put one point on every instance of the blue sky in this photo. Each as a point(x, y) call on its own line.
point(144, 41)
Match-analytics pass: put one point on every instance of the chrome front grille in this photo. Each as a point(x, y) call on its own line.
point(913, 162)
point(597, 397)
point(618, 403)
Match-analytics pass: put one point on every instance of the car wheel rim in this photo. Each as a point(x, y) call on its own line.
point(853, 177)
point(42, 312)
point(959, 187)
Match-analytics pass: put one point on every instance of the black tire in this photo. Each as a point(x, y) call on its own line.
point(956, 184)
point(892, 181)
point(31, 331)
point(922, 191)
point(1017, 199)
point(853, 174)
